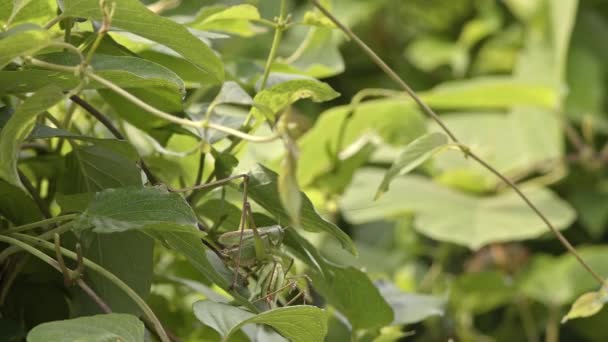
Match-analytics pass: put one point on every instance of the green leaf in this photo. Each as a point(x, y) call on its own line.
point(513, 143)
point(481, 292)
point(490, 92)
point(410, 308)
point(588, 304)
point(22, 43)
point(299, 323)
point(18, 5)
point(116, 210)
point(289, 191)
point(263, 190)
point(19, 126)
point(563, 18)
point(124, 71)
point(100, 328)
point(235, 19)
point(129, 256)
point(133, 16)
point(319, 55)
point(277, 97)
point(103, 165)
point(414, 154)
point(448, 215)
point(396, 122)
point(563, 275)
point(16, 205)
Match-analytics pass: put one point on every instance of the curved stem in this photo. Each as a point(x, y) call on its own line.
point(428, 111)
point(276, 41)
point(90, 265)
point(42, 223)
point(45, 236)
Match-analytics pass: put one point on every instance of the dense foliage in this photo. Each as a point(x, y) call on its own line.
point(245, 171)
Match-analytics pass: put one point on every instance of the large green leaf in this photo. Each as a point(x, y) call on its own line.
point(22, 43)
point(412, 156)
point(263, 189)
point(299, 323)
point(397, 122)
point(563, 275)
point(277, 97)
point(410, 308)
point(123, 209)
point(19, 126)
point(100, 328)
point(129, 256)
point(490, 92)
point(346, 288)
point(133, 16)
point(451, 216)
point(522, 140)
point(103, 165)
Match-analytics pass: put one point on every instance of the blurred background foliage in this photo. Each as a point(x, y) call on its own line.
point(522, 82)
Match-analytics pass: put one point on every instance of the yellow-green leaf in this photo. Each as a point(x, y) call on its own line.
point(586, 305)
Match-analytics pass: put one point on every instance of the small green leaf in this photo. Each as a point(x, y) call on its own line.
point(586, 305)
point(276, 98)
point(314, 18)
point(22, 43)
point(299, 323)
point(100, 328)
point(414, 154)
point(234, 19)
point(263, 189)
point(19, 127)
point(133, 16)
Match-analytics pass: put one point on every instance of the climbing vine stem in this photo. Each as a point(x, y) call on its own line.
point(428, 111)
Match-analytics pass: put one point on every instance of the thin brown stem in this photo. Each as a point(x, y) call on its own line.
point(244, 213)
point(94, 296)
point(428, 111)
point(534, 208)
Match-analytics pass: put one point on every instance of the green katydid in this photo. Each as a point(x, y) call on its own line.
point(258, 249)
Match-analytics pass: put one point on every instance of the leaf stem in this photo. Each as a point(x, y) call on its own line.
point(428, 111)
point(276, 41)
point(154, 111)
point(12, 250)
point(41, 223)
point(91, 265)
